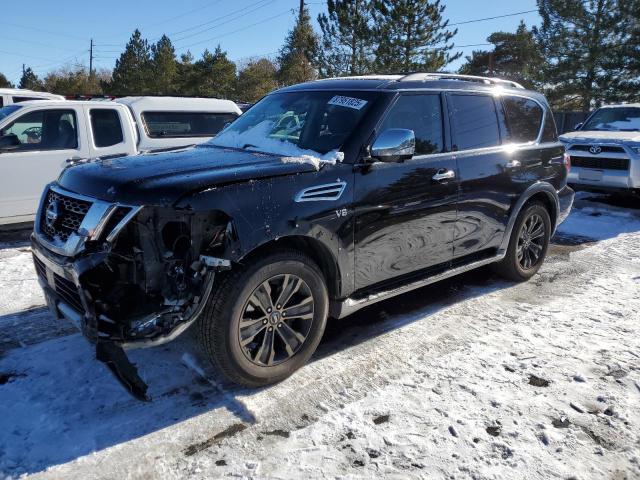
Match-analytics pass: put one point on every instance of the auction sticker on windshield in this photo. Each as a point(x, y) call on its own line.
point(349, 102)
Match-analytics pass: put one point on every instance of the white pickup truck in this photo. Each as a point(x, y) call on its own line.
point(9, 96)
point(38, 138)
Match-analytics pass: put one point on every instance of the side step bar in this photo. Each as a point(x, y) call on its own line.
point(343, 308)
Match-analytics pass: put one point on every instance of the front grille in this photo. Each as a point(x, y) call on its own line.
point(41, 270)
point(65, 289)
point(68, 292)
point(71, 212)
point(603, 148)
point(602, 163)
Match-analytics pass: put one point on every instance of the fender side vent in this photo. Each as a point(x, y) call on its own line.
point(322, 193)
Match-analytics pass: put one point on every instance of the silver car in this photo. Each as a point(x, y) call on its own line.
point(605, 149)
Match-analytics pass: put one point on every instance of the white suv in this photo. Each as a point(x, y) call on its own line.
point(605, 149)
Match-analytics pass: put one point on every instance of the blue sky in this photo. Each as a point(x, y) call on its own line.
point(46, 35)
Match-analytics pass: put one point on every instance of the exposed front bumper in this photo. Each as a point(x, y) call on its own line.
point(61, 281)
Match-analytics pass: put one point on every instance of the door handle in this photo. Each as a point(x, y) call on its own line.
point(513, 164)
point(444, 174)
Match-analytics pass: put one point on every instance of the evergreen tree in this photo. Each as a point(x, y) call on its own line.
point(30, 80)
point(186, 81)
point(4, 82)
point(413, 36)
point(133, 71)
point(584, 43)
point(256, 79)
point(214, 75)
point(164, 67)
point(347, 38)
point(297, 56)
point(516, 56)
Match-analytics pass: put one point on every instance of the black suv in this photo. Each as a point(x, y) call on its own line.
point(321, 199)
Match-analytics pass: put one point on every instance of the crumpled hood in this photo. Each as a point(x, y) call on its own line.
point(161, 179)
point(599, 136)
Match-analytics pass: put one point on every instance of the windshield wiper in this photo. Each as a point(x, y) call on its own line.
point(247, 145)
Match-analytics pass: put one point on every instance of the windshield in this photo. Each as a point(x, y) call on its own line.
point(298, 123)
point(623, 119)
point(8, 110)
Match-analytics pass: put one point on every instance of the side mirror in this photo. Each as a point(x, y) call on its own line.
point(9, 142)
point(578, 126)
point(394, 145)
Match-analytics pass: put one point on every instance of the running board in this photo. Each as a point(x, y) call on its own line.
point(343, 308)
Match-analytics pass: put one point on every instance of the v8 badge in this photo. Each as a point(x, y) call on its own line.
point(342, 213)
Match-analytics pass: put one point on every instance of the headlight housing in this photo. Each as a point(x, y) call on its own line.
point(636, 149)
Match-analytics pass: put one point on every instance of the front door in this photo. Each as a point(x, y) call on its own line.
point(44, 139)
point(405, 212)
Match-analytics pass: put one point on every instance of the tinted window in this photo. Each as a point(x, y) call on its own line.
point(44, 130)
point(8, 110)
point(185, 124)
point(25, 99)
point(474, 121)
point(423, 115)
point(107, 130)
point(524, 117)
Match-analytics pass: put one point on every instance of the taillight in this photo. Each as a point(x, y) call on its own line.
point(567, 162)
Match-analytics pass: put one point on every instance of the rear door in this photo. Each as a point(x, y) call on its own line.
point(405, 212)
point(111, 132)
point(45, 139)
point(486, 170)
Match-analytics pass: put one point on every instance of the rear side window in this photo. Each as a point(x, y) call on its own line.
point(44, 130)
point(185, 124)
point(25, 99)
point(474, 121)
point(524, 117)
point(106, 127)
point(423, 115)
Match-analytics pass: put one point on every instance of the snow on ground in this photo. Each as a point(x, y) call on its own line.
point(472, 378)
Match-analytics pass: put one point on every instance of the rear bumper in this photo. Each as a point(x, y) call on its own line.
point(565, 202)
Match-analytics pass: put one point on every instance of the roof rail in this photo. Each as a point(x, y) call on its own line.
point(455, 76)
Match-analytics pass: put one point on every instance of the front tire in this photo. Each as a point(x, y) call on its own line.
point(528, 244)
point(264, 321)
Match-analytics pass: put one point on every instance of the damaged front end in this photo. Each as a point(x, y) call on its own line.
point(129, 276)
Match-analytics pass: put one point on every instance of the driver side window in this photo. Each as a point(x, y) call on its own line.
point(44, 130)
point(423, 115)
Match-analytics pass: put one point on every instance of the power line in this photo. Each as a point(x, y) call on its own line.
point(491, 18)
point(288, 11)
point(42, 30)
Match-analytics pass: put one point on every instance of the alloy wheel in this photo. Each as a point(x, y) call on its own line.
point(276, 320)
point(531, 242)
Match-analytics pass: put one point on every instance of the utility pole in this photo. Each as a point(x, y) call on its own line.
point(23, 69)
point(301, 10)
point(91, 59)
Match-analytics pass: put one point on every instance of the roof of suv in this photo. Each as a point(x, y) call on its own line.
point(414, 81)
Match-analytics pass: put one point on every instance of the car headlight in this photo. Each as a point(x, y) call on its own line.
point(636, 150)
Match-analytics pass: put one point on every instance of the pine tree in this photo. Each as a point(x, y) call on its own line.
point(4, 82)
point(30, 80)
point(297, 56)
point(347, 38)
point(133, 71)
point(585, 44)
point(214, 75)
point(516, 56)
point(413, 36)
point(165, 67)
point(256, 79)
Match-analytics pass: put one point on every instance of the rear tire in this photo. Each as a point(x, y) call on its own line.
point(264, 321)
point(528, 244)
